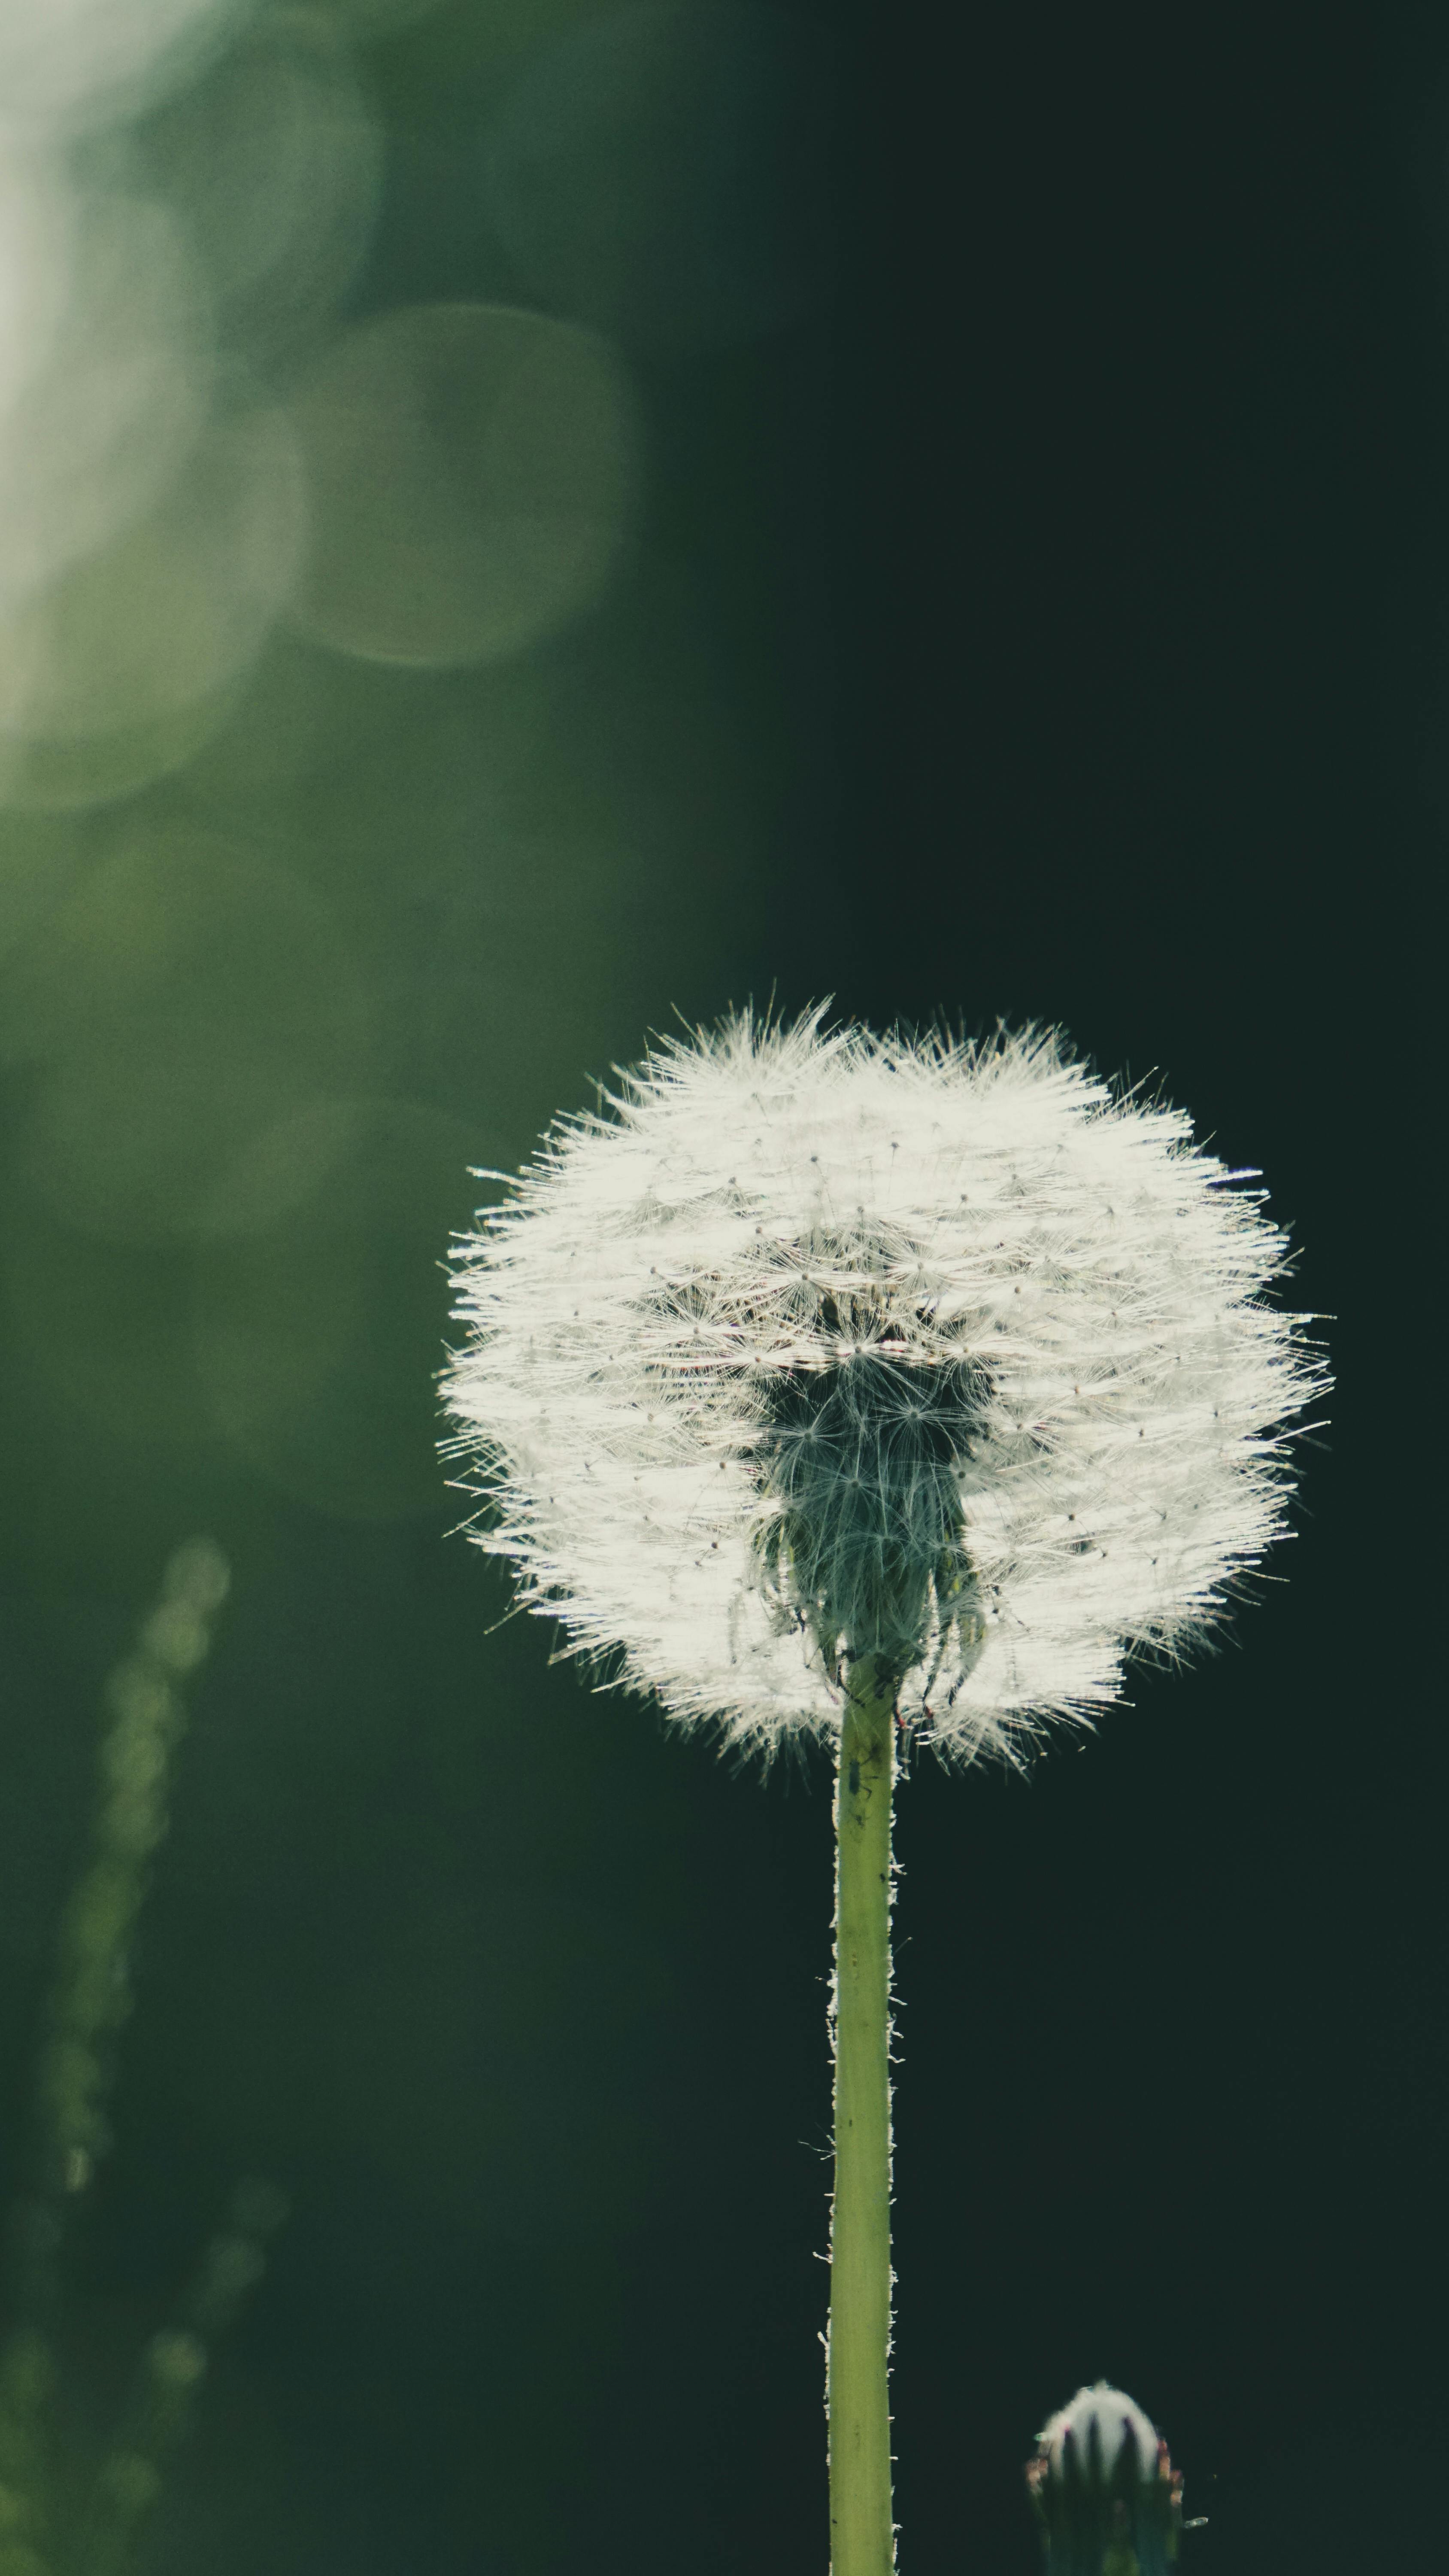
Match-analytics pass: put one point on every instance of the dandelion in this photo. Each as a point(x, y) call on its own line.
point(828, 1385)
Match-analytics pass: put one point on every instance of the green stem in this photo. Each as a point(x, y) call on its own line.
point(857, 2391)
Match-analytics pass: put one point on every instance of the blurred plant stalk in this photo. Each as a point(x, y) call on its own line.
point(54, 2522)
point(862, 2541)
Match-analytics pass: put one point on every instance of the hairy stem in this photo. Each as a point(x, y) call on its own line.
point(857, 2393)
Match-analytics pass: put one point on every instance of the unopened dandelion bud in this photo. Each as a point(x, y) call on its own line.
point(1105, 2493)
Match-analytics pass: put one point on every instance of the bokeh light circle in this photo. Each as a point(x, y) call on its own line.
point(273, 162)
point(35, 257)
point(185, 997)
point(95, 435)
point(470, 472)
point(69, 64)
point(117, 673)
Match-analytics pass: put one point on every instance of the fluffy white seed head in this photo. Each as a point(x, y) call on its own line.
point(813, 1344)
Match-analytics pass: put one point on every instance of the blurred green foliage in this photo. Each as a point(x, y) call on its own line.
point(395, 725)
point(361, 914)
point(62, 2512)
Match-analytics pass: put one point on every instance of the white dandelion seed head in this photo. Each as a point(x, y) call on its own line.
point(813, 1344)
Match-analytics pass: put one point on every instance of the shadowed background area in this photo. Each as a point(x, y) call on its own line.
point(517, 521)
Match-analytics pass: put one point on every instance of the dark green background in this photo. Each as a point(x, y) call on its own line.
point(1044, 618)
